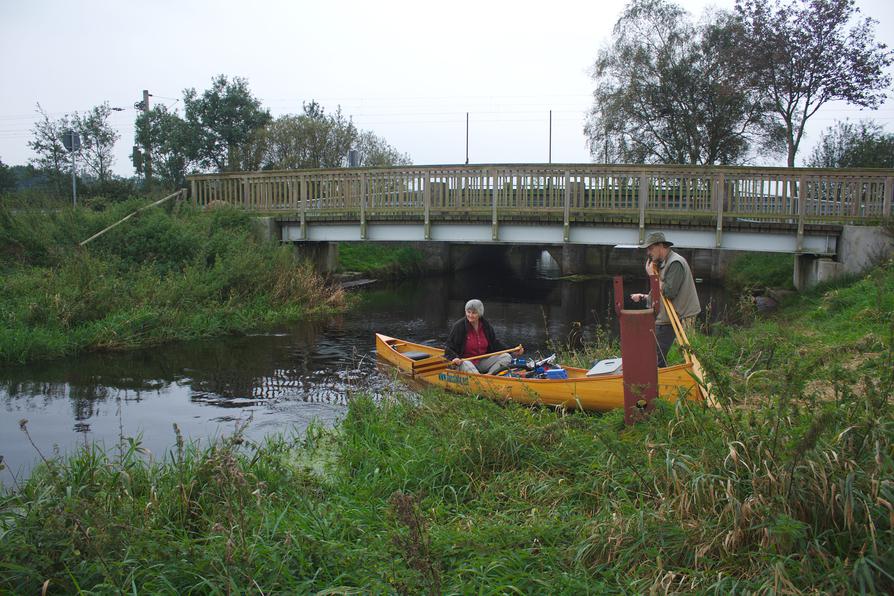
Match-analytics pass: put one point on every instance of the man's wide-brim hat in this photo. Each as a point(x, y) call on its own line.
point(655, 238)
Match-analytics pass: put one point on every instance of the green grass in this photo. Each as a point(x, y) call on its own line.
point(166, 274)
point(758, 271)
point(383, 260)
point(785, 488)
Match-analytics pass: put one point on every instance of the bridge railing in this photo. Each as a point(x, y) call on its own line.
point(570, 191)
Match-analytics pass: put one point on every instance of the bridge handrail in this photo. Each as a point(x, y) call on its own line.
point(572, 190)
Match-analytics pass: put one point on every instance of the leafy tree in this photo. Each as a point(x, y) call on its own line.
point(376, 152)
point(330, 136)
point(7, 178)
point(286, 144)
point(28, 176)
point(850, 145)
point(664, 92)
point(313, 139)
point(170, 142)
point(226, 129)
point(801, 55)
point(250, 154)
point(46, 142)
point(226, 120)
point(98, 139)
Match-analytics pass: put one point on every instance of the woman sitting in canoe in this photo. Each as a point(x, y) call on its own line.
point(473, 336)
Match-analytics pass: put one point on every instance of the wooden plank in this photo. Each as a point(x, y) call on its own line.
point(888, 199)
point(495, 233)
point(303, 190)
point(566, 214)
point(363, 198)
point(802, 211)
point(426, 206)
point(719, 197)
point(643, 199)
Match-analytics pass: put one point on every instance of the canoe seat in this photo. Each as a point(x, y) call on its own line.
point(417, 355)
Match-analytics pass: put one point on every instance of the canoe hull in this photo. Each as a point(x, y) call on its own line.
point(598, 393)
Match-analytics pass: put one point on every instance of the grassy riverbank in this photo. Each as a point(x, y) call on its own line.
point(379, 260)
point(786, 488)
point(166, 274)
point(760, 271)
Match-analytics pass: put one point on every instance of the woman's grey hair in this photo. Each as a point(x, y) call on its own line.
point(476, 305)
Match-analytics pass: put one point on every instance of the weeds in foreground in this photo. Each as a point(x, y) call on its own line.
point(445, 493)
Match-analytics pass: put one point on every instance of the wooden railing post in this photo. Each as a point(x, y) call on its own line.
point(426, 204)
point(802, 211)
point(363, 206)
point(494, 231)
point(195, 196)
point(246, 189)
point(566, 216)
point(643, 199)
point(720, 198)
point(889, 196)
point(302, 188)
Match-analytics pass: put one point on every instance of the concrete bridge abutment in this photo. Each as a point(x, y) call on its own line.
point(574, 259)
point(323, 255)
point(859, 248)
point(811, 270)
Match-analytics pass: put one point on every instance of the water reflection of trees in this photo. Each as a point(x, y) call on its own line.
point(294, 363)
point(320, 361)
point(85, 382)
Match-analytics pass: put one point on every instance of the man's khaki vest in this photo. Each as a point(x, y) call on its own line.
point(686, 303)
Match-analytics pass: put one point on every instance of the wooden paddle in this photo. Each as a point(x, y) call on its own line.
point(483, 356)
point(704, 388)
point(430, 366)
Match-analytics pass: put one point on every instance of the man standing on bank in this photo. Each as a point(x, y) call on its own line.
point(676, 283)
point(473, 336)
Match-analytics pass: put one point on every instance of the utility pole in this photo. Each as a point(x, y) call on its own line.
point(550, 136)
point(74, 183)
point(72, 143)
point(467, 138)
point(147, 157)
point(605, 146)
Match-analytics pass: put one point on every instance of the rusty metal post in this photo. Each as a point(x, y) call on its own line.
point(638, 356)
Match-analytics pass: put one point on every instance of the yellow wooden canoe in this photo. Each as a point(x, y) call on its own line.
point(578, 391)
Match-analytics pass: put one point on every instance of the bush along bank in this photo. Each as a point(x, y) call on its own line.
point(785, 488)
point(166, 274)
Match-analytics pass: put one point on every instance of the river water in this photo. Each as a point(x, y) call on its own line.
point(279, 381)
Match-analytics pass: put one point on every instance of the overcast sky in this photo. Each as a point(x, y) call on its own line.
point(408, 71)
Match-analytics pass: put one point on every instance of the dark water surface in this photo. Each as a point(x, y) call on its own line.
point(278, 381)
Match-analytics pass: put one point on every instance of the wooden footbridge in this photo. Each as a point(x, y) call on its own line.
point(796, 210)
